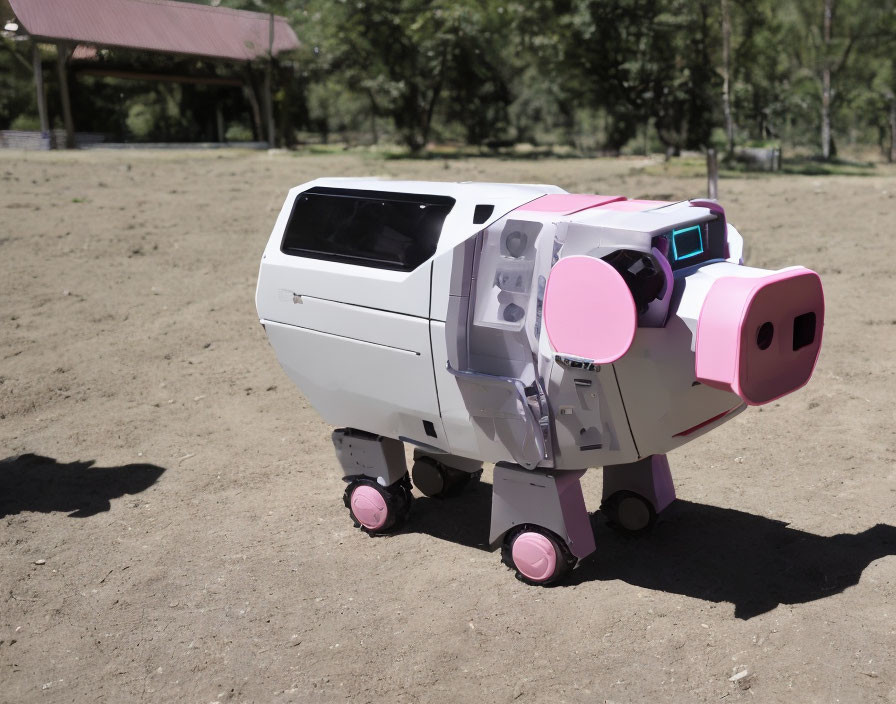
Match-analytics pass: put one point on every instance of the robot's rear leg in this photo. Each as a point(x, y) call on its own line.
point(375, 509)
point(443, 476)
point(378, 495)
point(634, 494)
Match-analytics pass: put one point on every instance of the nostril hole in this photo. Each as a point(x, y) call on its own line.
point(803, 330)
point(765, 335)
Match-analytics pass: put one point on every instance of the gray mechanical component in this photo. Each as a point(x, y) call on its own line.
point(442, 475)
point(636, 492)
point(364, 454)
point(629, 512)
point(541, 498)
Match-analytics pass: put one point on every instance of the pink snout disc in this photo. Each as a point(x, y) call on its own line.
point(760, 336)
point(588, 310)
point(369, 507)
point(534, 556)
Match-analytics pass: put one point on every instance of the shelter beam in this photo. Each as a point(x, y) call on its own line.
point(39, 89)
point(63, 52)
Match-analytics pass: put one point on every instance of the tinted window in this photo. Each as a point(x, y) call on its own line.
point(367, 228)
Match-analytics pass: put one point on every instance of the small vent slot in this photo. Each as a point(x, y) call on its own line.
point(429, 428)
point(482, 213)
point(803, 330)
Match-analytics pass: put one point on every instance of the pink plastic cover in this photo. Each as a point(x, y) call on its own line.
point(588, 310)
point(760, 337)
point(534, 556)
point(369, 507)
point(567, 203)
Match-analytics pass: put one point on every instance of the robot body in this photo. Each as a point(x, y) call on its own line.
point(543, 331)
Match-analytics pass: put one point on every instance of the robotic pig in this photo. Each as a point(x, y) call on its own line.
point(542, 331)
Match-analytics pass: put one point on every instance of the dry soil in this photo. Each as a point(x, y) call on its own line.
point(172, 525)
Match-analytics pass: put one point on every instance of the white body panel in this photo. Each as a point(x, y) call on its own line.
point(358, 383)
point(657, 376)
point(286, 277)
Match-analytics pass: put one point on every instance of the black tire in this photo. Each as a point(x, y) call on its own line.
point(565, 560)
point(397, 499)
point(439, 481)
point(629, 513)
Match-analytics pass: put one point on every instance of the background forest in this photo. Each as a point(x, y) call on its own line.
point(608, 76)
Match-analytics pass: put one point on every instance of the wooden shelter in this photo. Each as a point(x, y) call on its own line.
point(217, 34)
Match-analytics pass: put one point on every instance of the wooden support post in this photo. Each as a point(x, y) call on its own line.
point(39, 89)
point(249, 92)
point(268, 100)
point(62, 54)
point(712, 174)
point(268, 107)
point(219, 119)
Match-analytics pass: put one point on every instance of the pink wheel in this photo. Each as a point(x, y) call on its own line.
point(377, 509)
point(369, 507)
point(534, 556)
point(538, 556)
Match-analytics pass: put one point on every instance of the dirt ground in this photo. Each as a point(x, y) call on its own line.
point(172, 524)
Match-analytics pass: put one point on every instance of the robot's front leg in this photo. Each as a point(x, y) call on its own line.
point(541, 519)
point(635, 493)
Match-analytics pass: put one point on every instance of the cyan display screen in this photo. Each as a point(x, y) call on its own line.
point(687, 243)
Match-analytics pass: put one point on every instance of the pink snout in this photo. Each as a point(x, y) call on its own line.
point(760, 336)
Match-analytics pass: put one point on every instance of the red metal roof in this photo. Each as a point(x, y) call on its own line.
point(156, 25)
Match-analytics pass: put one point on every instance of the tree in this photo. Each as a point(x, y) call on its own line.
point(642, 60)
point(405, 56)
point(825, 36)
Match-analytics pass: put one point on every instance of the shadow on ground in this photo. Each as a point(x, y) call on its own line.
point(35, 483)
point(701, 551)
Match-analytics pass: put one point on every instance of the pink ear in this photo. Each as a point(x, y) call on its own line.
point(588, 310)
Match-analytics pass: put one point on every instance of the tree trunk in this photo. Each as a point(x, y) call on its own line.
point(726, 77)
point(434, 98)
point(826, 83)
point(375, 136)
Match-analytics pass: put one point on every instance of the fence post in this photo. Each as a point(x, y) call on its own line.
point(712, 174)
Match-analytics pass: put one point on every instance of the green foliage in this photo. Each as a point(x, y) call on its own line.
point(17, 99)
point(238, 133)
point(25, 122)
point(591, 75)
